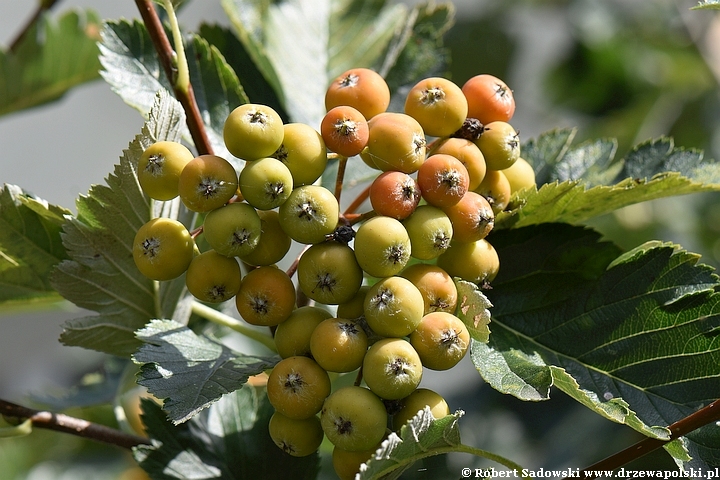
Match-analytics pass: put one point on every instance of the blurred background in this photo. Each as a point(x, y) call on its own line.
point(627, 69)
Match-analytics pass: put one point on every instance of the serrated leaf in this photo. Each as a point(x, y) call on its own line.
point(132, 69)
point(473, 310)
point(101, 275)
point(190, 371)
point(632, 336)
point(30, 244)
point(573, 202)
point(581, 182)
point(229, 440)
point(130, 64)
point(707, 5)
point(421, 437)
point(54, 56)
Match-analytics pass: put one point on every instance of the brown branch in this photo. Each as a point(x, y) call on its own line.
point(167, 54)
point(342, 165)
point(702, 417)
point(362, 196)
point(74, 426)
point(41, 8)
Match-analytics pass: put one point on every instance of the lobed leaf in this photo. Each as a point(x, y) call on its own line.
point(190, 371)
point(228, 440)
point(100, 274)
point(631, 336)
point(30, 244)
point(54, 56)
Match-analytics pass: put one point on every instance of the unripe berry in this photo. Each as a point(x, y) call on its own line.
point(297, 387)
point(253, 131)
point(159, 169)
point(353, 418)
point(382, 246)
point(266, 296)
point(438, 105)
point(416, 401)
point(309, 214)
point(265, 183)
point(303, 152)
point(392, 368)
point(338, 345)
point(441, 340)
point(298, 438)
point(212, 277)
point(292, 337)
point(393, 307)
point(329, 273)
point(207, 182)
point(476, 262)
point(162, 249)
point(232, 230)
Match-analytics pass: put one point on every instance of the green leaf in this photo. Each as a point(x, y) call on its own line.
point(30, 244)
point(132, 69)
point(707, 5)
point(421, 437)
point(190, 371)
point(130, 64)
point(473, 310)
point(256, 86)
point(417, 51)
point(581, 182)
point(361, 33)
point(301, 45)
point(54, 56)
point(216, 87)
point(631, 336)
point(101, 275)
point(229, 440)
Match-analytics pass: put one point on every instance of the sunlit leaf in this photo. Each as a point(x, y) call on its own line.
point(101, 275)
point(189, 371)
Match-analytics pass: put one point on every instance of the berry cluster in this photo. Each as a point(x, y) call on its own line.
point(387, 273)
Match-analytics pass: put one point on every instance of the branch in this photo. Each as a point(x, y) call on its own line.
point(702, 417)
point(42, 7)
point(74, 426)
point(184, 93)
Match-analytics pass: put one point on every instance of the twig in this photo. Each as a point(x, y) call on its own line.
point(702, 417)
point(74, 426)
point(342, 165)
point(184, 94)
point(220, 318)
point(41, 8)
point(362, 196)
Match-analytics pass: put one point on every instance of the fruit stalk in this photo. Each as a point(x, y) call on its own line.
point(220, 318)
point(167, 56)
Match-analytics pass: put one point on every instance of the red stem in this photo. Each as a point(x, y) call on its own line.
point(702, 417)
point(74, 426)
point(166, 55)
